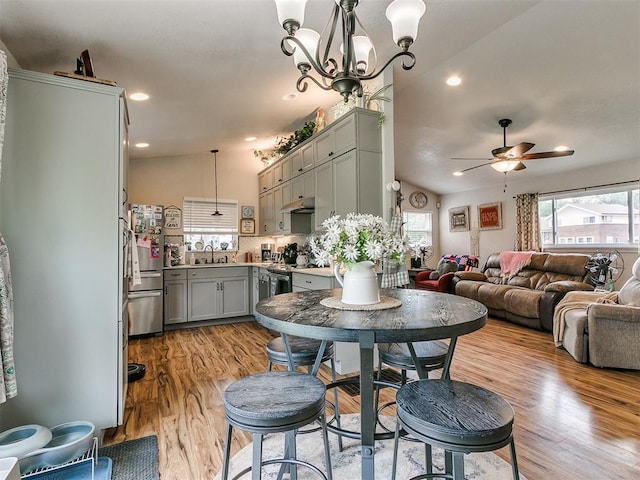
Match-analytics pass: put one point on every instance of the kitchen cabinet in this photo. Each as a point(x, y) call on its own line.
point(217, 292)
point(175, 296)
point(265, 179)
point(303, 186)
point(61, 212)
point(336, 139)
point(324, 208)
point(281, 171)
point(266, 207)
point(302, 159)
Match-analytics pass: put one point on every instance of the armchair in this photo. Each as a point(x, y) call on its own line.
point(602, 328)
point(439, 280)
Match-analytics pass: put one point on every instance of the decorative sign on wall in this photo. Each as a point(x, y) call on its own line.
point(459, 219)
point(490, 216)
point(172, 217)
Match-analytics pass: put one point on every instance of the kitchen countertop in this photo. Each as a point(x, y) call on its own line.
point(321, 272)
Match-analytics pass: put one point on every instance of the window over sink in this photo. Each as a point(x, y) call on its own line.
point(202, 228)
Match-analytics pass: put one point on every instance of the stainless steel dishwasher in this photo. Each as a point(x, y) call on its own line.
point(145, 305)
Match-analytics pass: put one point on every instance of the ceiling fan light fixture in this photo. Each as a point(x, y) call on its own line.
point(561, 148)
point(458, 173)
point(504, 166)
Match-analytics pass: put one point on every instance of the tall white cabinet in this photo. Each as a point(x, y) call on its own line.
point(62, 213)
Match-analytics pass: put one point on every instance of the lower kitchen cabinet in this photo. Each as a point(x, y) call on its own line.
point(175, 296)
point(214, 293)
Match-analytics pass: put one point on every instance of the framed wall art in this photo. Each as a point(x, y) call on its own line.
point(490, 216)
point(459, 219)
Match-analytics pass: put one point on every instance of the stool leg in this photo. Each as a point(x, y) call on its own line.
point(458, 465)
point(257, 457)
point(428, 458)
point(327, 453)
point(337, 406)
point(378, 386)
point(394, 463)
point(514, 460)
point(269, 365)
point(227, 453)
point(448, 462)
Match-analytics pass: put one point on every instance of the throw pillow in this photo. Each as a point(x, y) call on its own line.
point(443, 267)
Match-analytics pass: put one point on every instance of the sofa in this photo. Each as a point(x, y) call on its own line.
point(602, 328)
point(524, 287)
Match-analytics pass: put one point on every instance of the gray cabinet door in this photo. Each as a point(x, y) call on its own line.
point(203, 299)
point(175, 302)
point(324, 193)
point(235, 297)
point(345, 184)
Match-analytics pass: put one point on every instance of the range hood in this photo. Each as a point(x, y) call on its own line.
point(302, 205)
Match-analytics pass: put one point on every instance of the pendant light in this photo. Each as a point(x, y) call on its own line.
point(215, 177)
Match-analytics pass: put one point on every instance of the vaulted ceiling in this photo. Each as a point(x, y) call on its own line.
point(565, 72)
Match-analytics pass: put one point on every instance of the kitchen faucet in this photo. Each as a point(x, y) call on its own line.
point(211, 247)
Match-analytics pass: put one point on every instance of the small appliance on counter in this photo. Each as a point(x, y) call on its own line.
point(145, 300)
point(266, 249)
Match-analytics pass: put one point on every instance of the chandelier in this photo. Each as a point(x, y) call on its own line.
point(311, 50)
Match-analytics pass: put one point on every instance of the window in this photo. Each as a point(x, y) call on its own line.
point(200, 225)
point(596, 216)
point(418, 227)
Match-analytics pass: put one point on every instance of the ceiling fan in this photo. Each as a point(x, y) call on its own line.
point(509, 158)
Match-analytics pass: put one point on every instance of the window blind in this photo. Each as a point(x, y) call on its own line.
point(197, 213)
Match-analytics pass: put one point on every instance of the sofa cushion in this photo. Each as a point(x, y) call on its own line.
point(492, 296)
point(468, 289)
point(523, 302)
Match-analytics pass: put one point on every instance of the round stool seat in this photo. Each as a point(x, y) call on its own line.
point(275, 400)
point(303, 350)
point(430, 354)
point(455, 415)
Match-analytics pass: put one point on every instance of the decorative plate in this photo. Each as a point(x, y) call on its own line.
point(199, 245)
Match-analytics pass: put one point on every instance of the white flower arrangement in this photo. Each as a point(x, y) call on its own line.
point(356, 238)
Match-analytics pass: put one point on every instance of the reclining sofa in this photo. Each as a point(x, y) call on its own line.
point(525, 291)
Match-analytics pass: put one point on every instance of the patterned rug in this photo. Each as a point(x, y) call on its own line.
point(346, 464)
point(133, 460)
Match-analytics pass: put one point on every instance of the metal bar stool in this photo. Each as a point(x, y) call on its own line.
point(459, 417)
point(274, 402)
point(304, 353)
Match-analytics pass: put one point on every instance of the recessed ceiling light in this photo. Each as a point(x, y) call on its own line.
point(250, 139)
point(454, 81)
point(139, 96)
point(561, 148)
point(289, 96)
point(142, 145)
point(457, 174)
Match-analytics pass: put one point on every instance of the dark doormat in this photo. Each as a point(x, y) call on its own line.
point(387, 375)
point(134, 459)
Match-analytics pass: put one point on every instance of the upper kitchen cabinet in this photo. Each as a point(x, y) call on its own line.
point(265, 179)
point(62, 192)
point(302, 159)
point(281, 171)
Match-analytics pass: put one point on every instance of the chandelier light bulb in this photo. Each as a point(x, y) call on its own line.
point(405, 16)
point(290, 14)
point(309, 39)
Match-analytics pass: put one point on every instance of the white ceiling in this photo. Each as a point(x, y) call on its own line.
point(565, 72)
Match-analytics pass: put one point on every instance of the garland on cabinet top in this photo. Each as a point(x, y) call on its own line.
point(370, 101)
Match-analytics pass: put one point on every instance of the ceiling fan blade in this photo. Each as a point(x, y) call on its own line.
point(520, 166)
point(473, 168)
point(471, 158)
point(519, 150)
point(532, 156)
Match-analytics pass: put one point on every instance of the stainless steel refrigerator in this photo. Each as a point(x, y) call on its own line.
point(145, 299)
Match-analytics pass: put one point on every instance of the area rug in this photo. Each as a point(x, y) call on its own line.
point(346, 464)
point(353, 386)
point(134, 459)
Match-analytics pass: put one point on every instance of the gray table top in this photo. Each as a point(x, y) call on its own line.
point(423, 315)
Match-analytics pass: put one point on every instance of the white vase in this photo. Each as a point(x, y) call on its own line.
point(359, 284)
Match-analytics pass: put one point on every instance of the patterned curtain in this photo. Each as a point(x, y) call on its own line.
point(527, 223)
point(8, 388)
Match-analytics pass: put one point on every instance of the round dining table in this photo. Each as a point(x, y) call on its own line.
point(421, 316)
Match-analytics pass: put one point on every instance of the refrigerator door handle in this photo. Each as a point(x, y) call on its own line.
point(134, 295)
point(150, 274)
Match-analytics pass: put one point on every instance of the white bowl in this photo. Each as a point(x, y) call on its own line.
point(20, 441)
point(69, 441)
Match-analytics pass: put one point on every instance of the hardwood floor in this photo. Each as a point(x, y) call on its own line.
point(572, 421)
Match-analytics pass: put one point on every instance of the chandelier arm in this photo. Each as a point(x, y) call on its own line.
point(397, 55)
point(301, 84)
point(312, 61)
point(333, 21)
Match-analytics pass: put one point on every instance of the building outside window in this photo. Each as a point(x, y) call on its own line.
point(600, 217)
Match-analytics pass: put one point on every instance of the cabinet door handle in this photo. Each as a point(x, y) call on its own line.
point(300, 196)
point(330, 154)
point(300, 169)
point(308, 281)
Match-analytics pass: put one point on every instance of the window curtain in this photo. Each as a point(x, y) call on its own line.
point(527, 223)
point(8, 388)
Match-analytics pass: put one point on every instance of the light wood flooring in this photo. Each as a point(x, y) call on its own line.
point(572, 421)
